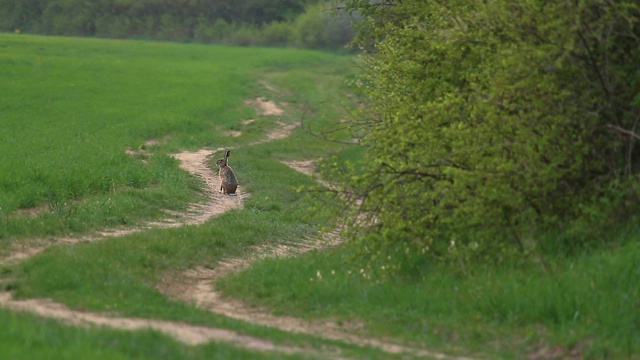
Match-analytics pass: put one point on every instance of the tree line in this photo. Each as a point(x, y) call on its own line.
point(304, 23)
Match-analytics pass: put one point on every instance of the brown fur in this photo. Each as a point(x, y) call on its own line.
point(228, 180)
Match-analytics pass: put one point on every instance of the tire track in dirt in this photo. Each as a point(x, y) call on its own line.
point(186, 333)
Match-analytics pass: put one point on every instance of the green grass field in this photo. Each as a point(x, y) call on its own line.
point(69, 110)
point(71, 107)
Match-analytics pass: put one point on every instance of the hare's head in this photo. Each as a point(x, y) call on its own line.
point(223, 162)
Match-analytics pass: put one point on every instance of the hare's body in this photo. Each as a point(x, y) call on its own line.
point(228, 180)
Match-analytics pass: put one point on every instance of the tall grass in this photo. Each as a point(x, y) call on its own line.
point(587, 303)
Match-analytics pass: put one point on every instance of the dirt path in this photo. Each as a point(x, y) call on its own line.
point(188, 334)
point(196, 285)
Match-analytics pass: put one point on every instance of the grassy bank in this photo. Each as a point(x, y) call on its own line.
point(586, 305)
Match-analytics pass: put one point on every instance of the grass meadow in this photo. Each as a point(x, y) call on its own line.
point(71, 107)
point(69, 110)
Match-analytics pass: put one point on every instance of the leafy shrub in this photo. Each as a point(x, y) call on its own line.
point(319, 27)
point(277, 34)
point(489, 122)
point(271, 23)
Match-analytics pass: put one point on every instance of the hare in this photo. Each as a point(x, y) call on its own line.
point(228, 180)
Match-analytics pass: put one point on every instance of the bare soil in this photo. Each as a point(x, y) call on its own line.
point(32, 212)
point(265, 107)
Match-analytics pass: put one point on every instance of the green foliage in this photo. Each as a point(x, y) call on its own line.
point(489, 122)
point(264, 22)
point(319, 28)
point(60, 16)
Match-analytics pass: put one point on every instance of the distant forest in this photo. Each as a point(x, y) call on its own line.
point(302, 23)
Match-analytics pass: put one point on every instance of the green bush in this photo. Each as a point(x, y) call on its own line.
point(302, 23)
point(489, 122)
point(319, 28)
point(277, 34)
point(217, 32)
point(264, 23)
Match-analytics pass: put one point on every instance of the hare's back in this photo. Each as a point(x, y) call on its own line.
point(229, 177)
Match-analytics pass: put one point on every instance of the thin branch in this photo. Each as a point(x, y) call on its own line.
point(631, 145)
point(594, 63)
point(624, 131)
point(323, 135)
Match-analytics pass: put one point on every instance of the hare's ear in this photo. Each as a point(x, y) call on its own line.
point(226, 154)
